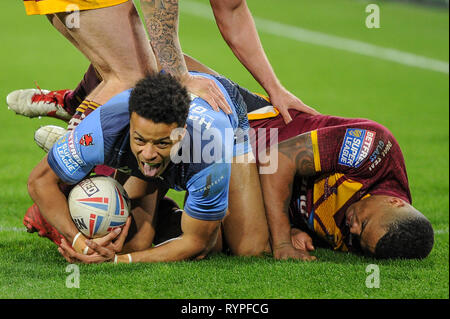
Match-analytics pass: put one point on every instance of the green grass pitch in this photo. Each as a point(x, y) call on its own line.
point(412, 102)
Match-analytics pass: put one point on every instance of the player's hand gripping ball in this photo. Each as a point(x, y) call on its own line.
point(98, 205)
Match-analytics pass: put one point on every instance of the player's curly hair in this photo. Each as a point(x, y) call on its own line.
point(161, 99)
point(406, 238)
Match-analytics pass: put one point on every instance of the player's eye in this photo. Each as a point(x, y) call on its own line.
point(139, 140)
point(163, 144)
point(363, 226)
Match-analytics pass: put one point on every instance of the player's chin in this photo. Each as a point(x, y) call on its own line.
point(153, 170)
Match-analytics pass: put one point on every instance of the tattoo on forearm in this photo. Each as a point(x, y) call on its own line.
point(300, 150)
point(161, 19)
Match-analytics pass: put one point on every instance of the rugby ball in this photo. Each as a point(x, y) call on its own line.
point(98, 205)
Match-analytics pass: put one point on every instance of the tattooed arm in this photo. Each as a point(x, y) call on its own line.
point(295, 157)
point(300, 150)
point(161, 19)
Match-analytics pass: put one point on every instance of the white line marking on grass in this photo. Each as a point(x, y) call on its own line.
point(441, 231)
point(323, 39)
point(12, 229)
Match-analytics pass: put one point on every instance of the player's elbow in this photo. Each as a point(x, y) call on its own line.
point(228, 15)
point(221, 7)
point(41, 179)
point(33, 185)
point(139, 245)
point(249, 250)
point(256, 246)
point(199, 248)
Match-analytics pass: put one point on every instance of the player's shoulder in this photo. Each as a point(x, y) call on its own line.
point(117, 104)
point(202, 117)
point(114, 114)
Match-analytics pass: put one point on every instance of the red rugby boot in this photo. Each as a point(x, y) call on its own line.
point(35, 222)
point(37, 102)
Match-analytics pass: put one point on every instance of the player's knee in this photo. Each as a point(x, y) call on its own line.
point(251, 248)
point(123, 77)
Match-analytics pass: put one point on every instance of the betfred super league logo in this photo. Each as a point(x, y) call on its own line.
point(87, 140)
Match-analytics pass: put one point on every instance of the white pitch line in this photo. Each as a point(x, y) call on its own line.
point(326, 40)
point(441, 231)
point(12, 229)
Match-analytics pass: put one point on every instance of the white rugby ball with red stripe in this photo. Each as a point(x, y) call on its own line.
point(98, 205)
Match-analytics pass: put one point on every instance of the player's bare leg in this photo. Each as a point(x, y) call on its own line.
point(115, 42)
point(245, 227)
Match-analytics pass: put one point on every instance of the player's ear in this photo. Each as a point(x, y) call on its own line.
point(397, 202)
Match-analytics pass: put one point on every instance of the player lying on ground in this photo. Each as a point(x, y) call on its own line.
point(304, 212)
point(342, 183)
point(133, 133)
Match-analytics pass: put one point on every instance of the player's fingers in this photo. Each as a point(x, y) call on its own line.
point(305, 108)
point(308, 257)
point(73, 257)
point(65, 255)
point(309, 245)
point(68, 253)
point(65, 246)
point(220, 99)
point(118, 244)
point(102, 251)
point(93, 259)
point(210, 100)
point(95, 247)
point(113, 234)
point(106, 240)
point(125, 228)
point(285, 114)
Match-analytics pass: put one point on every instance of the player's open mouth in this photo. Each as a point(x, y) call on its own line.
point(150, 169)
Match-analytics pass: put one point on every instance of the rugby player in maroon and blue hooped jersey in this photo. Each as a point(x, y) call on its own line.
point(134, 133)
point(340, 183)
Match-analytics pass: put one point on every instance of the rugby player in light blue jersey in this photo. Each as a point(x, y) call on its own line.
point(162, 139)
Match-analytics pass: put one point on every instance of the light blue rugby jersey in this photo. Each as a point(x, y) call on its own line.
point(203, 164)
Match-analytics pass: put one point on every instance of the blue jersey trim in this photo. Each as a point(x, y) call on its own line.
point(58, 171)
point(205, 216)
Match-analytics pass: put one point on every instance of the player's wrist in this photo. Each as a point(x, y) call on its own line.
point(183, 77)
point(79, 244)
point(274, 88)
point(123, 259)
point(282, 245)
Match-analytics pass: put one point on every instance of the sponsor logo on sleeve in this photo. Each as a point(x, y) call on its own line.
point(69, 155)
point(356, 147)
point(87, 140)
